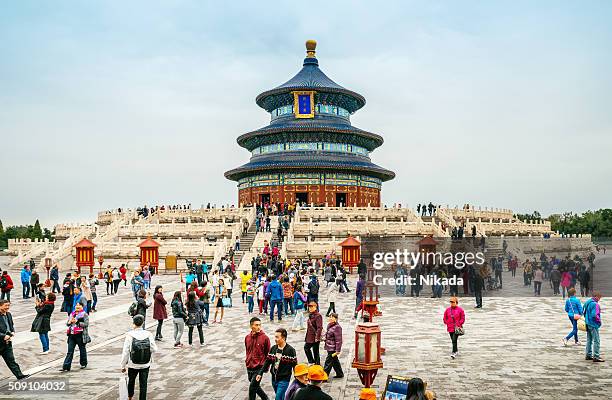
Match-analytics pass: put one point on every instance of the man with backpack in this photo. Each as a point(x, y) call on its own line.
point(313, 289)
point(136, 357)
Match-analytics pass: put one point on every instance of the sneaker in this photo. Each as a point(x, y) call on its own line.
point(338, 376)
point(26, 376)
point(578, 343)
point(588, 358)
point(83, 366)
point(564, 342)
point(597, 359)
point(453, 355)
point(44, 352)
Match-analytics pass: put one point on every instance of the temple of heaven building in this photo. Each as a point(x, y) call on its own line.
point(310, 152)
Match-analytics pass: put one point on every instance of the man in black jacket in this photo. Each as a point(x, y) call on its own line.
point(7, 331)
point(280, 361)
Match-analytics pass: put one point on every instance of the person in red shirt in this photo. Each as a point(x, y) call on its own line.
point(123, 272)
point(6, 285)
point(257, 345)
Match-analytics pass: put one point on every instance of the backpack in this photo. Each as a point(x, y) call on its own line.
point(3, 283)
point(132, 309)
point(314, 288)
point(140, 353)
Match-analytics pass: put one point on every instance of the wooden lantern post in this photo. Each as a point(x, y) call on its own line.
point(149, 253)
point(100, 261)
point(351, 252)
point(48, 268)
point(85, 255)
point(368, 352)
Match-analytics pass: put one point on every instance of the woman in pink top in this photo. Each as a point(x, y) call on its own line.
point(454, 317)
point(566, 282)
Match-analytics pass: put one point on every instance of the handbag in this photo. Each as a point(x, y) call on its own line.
point(123, 387)
point(459, 331)
point(226, 302)
point(573, 312)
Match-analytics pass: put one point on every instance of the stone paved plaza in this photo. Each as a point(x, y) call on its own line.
point(512, 350)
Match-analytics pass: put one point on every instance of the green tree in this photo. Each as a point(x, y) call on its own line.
point(37, 231)
point(3, 241)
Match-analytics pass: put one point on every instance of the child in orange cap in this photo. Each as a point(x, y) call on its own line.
point(300, 372)
point(316, 376)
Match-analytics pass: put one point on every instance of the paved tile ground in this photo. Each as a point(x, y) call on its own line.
point(512, 350)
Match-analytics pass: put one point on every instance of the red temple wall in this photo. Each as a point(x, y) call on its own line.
point(318, 194)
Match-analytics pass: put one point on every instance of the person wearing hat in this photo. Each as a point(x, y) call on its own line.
point(367, 394)
point(313, 391)
point(300, 372)
point(136, 356)
point(314, 328)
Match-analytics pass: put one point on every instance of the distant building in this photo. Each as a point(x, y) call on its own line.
point(310, 152)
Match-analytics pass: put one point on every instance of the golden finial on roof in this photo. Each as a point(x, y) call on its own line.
point(311, 46)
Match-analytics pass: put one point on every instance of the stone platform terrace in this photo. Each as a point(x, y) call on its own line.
point(512, 350)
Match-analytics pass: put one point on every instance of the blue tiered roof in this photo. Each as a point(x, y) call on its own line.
point(323, 128)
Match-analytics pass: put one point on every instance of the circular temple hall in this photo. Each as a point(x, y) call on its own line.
point(310, 152)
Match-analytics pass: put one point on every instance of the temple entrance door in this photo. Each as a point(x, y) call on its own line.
point(301, 198)
point(264, 198)
point(340, 199)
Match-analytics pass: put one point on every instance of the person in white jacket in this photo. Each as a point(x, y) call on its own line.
point(135, 359)
point(332, 295)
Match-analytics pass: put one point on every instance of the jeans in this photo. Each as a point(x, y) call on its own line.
point(73, 341)
point(280, 387)
point(331, 308)
point(206, 312)
point(147, 284)
point(254, 386)
point(555, 285)
point(56, 287)
point(454, 338)
point(279, 309)
point(478, 297)
point(299, 320)
point(6, 295)
point(250, 303)
point(179, 326)
point(9, 358)
point(143, 377)
point(537, 287)
point(288, 303)
point(94, 298)
point(200, 333)
point(26, 289)
point(116, 283)
point(44, 340)
point(592, 346)
point(312, 353)
point(109, 288)
point(333, 362)
point(158, 333)
point(237, 246)
point(574, 331)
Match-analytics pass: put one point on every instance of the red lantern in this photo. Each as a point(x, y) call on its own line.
point(149, 253)
point(100, 261)
point(351, 252)
point(48, 267)
point(368, 352)
point(85, 255)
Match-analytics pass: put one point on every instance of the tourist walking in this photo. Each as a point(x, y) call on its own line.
point(220, 294)
point(566, 282)
point(141, 305)
point(257, 346)
point(42, 321)
point(359, 292)
point(93, 282)
point(245, 278)
point(116, 277)
point(299, 302)
point(159, 310)
point(538, 277)
point(194, 317)
point(275, 294)
point(7, 331)
point(179, 316)
point(314, 329)
point(34, 281)
point(54, 276)
point(108, 279)
point(6, 285)
point(592, 318)
point(68, 293)
point(332, 295)
point(479, 285)
point(136, 359)
point(280, 361)
point(313, 391)
point(78, 335)
point(300, 374)
point(573, 308)
point(454, 318)
point(288, 296)
point(25, 281)
point(333, 346)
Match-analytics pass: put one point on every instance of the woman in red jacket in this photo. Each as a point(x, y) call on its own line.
point(454, 317)
point(159, 310)
point(6, 285)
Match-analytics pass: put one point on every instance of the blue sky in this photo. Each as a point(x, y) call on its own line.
point(108, 104)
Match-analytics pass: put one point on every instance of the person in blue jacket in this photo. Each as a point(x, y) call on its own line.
point(573, 308)
point(26, 274)
point(275, 293)
point(592, 317)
